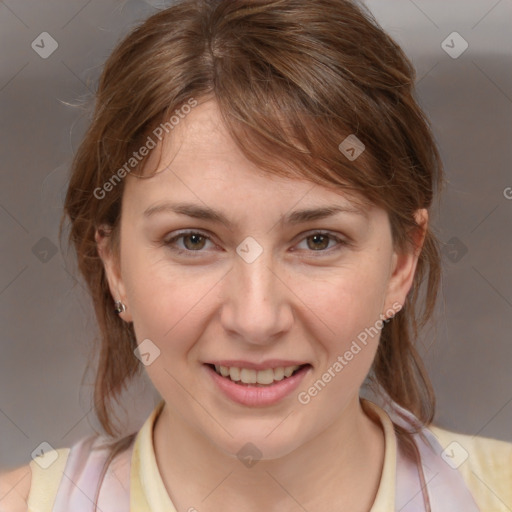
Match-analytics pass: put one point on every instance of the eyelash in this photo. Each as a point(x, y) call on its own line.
point(169, 242)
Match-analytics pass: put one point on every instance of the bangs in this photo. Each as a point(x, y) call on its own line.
point(290, 143)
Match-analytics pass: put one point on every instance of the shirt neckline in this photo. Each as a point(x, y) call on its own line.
point(148, 492)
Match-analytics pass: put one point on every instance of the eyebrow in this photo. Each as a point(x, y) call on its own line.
point(295, 217)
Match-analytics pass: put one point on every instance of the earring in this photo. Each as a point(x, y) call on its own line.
point(119, 307)
point(387, 319)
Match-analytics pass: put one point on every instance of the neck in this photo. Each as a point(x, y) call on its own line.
point(339, 469)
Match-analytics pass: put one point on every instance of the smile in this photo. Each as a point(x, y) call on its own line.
point(259, 377)
point(257, 388)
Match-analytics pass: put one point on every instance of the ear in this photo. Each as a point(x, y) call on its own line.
point(403, 266)
point(111, 264)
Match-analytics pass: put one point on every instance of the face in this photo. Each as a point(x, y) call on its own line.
point(256, 286)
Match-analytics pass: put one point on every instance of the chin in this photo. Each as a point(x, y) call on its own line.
point(256, 444)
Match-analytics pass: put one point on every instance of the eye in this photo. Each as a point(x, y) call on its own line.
point(193, 241)
point(319, 241)
point(188, 242)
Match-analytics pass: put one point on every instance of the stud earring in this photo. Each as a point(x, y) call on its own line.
point(119, 307)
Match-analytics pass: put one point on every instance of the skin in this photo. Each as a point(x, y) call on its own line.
point(298, 300)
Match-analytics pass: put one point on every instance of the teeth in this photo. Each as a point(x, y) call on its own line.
point(234, 373)
point(265, 376)
point(289, 370)
point(250, 376)
point(279, 373)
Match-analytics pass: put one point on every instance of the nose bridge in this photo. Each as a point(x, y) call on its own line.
point(257, 307)
point(257, 281)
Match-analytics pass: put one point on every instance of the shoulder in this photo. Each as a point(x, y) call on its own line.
point(485, 464)
point(14, 489)
point(34, 484)
point(37, 485)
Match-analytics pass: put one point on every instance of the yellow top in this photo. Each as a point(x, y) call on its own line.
point(487, 470)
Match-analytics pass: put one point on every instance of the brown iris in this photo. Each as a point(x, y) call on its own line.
point(198, 241)
point(324, 239)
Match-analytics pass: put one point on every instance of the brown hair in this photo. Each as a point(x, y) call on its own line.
point(292, 78)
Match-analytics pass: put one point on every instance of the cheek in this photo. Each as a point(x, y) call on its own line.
point(344, 318)
point(346, 300)
point(165, 301)
point(345, 324)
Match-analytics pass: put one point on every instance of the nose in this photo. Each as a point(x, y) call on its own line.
point(257, 305)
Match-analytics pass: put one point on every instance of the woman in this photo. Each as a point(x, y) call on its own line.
point(250, 211)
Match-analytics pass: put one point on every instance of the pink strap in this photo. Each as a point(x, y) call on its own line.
point(445, 487)
point(81, 479)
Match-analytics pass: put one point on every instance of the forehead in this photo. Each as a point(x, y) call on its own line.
point(200, 136)
point(200, 160)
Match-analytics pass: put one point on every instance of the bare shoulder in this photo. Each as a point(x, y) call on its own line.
point(14, 489)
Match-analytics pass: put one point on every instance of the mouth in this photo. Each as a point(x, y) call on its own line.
point(249, 377)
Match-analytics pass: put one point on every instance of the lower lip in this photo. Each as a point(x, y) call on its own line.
point(255, 396)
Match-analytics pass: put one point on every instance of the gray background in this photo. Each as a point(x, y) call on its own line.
point(46, 317)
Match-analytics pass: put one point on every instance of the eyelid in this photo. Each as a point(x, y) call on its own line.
point(342, 241)
point(179, 234)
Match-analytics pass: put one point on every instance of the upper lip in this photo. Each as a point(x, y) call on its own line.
point(269, 363)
